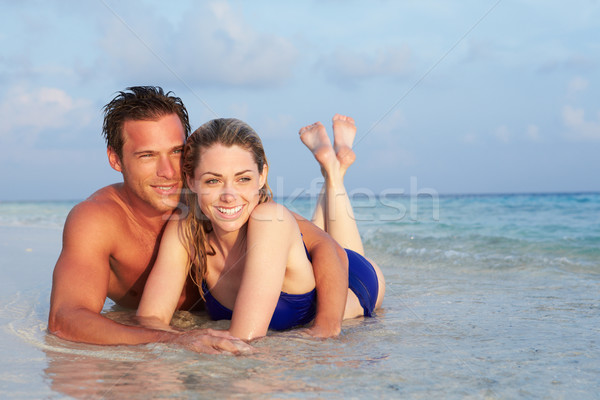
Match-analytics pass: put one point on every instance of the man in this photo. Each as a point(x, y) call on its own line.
point(111, 239)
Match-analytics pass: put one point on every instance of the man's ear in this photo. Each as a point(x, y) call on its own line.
point(114, 160)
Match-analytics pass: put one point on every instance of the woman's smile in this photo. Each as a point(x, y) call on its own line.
point(228, 185)
point(230, 211)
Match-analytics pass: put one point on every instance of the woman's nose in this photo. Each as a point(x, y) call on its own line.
point(228, 193)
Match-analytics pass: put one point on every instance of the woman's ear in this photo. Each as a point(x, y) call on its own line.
point(262, 179)
point(114, 160)
point(190, 182)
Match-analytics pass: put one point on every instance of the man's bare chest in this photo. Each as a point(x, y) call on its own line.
point(130, 265)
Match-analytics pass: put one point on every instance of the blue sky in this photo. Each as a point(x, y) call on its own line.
point(465, 96)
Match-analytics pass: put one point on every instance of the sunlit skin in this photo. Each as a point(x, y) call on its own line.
point(110, 242)
point(256, 250)
point(151, 163)
point(227, 182)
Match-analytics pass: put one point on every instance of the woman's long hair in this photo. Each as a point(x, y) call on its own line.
point(196, 226)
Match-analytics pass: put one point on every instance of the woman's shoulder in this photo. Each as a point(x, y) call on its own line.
point(271, 210)
point(272, 213)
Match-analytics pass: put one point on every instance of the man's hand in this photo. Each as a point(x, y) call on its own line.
point(212, 341)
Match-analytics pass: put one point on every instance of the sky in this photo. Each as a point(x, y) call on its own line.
point(449, 96)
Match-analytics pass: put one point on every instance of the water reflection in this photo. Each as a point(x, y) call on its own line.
point(84, 376)
point(91, 377)
point(287, 364)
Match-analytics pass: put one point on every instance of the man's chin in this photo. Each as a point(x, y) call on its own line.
point(169, 203)
point(166, 203)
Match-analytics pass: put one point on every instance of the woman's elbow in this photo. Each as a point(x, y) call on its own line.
point(153, 321)
point(341, 252)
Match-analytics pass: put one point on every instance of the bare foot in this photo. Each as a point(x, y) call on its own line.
point(315, 138)
point(344, 131)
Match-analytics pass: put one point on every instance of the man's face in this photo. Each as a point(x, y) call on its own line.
point(151, 161)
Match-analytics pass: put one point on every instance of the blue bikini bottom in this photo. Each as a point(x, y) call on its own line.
point(362, 280)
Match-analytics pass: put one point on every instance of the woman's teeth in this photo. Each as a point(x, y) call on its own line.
point(229, 211)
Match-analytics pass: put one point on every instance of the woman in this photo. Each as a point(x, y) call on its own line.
point(245, 251)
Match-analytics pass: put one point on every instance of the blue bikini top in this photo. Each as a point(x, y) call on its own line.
point(291, 310)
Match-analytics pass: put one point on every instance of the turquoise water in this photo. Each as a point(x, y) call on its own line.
point(487, 297)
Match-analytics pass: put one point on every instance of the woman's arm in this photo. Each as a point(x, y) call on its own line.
point(271, 229)
point(330, 266)
point(166, 281)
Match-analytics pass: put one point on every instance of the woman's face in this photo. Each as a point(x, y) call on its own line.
point(227, 183)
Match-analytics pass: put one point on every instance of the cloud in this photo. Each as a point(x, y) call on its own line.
point(391, 158)
point(388, 126)
point(578, 127)
point(574, 62)
point(211, 46)
point(577, 85)
point(479, 50)
point(347, 66)
point(503, 134)
point(469, 138)
point(278, 126)
point(25, 113)
point(388, 134)
point(240, 110)
point(229, 51)
point(533, 133)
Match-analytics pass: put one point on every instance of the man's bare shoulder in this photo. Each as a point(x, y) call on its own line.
point(92, 233)
point(103, 208)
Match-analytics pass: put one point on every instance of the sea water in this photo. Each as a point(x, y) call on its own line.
point(492, 296)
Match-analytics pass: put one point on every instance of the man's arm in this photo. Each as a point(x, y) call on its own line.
point(80, 286)
point(330, 265)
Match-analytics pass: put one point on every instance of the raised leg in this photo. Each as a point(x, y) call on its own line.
point(334, 212)
point(315, 137)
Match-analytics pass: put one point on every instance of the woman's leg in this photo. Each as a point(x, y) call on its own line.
point(315, 138)
point(344, 132)
point(334, 212)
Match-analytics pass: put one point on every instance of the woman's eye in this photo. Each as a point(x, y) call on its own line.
point(211, 181)
point(245, 179)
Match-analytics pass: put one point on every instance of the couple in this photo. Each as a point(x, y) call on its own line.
point(245, 251)
point(111, 240)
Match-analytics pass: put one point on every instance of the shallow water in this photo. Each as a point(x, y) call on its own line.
point(490, 297)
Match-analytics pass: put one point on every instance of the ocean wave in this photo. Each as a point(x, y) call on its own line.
point(480, 252)
point(27, 316)
point(35, 214)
